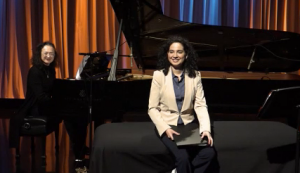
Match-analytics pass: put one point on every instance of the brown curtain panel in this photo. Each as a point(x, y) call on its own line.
point(74, 26)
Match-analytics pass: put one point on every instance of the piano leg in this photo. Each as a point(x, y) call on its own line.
point(77, 130)
point(297, 142)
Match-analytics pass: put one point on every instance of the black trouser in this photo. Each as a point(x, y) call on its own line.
point(189, 159)
point(77, 129)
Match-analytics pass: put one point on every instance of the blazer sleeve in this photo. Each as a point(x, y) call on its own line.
point(154, 100)
point(200, 107)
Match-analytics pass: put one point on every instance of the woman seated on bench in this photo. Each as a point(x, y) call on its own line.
point(176, 93)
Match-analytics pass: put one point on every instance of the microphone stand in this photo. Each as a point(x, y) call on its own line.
point(111, 77)
point(90, 105)
point(252, 59)
point(114, 61)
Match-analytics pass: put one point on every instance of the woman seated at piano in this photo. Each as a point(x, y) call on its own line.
point(176, 93)
point(40, 80)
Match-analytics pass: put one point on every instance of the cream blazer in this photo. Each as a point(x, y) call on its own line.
point(162, 107)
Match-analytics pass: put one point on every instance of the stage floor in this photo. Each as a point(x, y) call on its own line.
point(242, 146)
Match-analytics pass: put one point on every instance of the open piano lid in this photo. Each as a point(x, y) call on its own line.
point(220, 48)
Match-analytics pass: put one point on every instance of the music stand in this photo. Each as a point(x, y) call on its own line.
point(96, 64)
point(284, 102)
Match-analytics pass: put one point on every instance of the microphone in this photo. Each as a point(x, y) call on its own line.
point(131, 55)
point(252, 59)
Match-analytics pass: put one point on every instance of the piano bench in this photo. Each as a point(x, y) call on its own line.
point(39, 127)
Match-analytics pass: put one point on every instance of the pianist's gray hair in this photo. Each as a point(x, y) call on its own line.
point(190, 64)
point(36, 58)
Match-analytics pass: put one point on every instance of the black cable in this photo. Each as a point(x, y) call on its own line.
point(115, 48)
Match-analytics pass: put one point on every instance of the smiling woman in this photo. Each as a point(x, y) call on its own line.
point(47, 55)
point(40, 81)
point(176, 56)
point(177, 98)
point(38, 101)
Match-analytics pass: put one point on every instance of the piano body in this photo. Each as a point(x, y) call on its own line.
point(232, 82)
point(239, 66)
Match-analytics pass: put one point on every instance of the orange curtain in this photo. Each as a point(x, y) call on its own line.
point(73, 26)
point(88, 26)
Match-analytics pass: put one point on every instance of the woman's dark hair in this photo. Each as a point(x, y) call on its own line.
point(36, 58)
point(189, 66)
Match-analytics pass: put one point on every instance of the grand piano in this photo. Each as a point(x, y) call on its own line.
point(240, 66)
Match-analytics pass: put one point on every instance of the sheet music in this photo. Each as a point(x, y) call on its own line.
point(81, 66)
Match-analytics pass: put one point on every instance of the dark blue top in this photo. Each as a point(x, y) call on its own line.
point(179, 93)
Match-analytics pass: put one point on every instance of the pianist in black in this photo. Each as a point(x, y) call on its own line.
point(176, 92)
point(38, 102)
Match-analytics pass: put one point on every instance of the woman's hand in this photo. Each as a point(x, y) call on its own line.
point(170, 132)
point(210, 139)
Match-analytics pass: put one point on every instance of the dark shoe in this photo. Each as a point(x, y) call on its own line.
point(81, 170)
point(79, 163)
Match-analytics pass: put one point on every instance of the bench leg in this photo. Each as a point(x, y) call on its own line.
point(43, 157)
point(32, 147)
point(56, 149)
point(18, 166)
